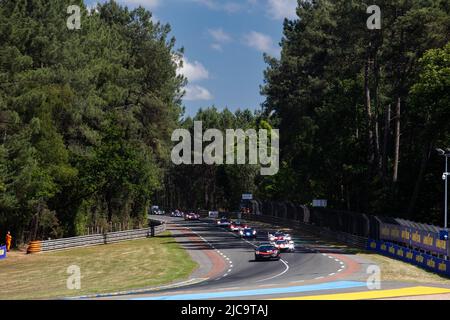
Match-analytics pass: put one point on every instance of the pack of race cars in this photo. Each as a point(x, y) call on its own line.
point(277, 242)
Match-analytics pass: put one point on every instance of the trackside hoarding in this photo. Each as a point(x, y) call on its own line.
point(411, 256)
point(412, 237)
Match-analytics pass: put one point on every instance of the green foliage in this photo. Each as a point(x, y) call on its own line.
point(218, 186)
point(335, 143)
point(84, 116)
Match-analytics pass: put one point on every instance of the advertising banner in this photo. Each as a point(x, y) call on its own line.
point(411, 256)
point(2, 252)
point(429, 241)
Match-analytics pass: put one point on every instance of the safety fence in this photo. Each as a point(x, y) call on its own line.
point(411, 256)
point(155, 228)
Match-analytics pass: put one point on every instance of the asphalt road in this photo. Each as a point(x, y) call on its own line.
point(228, 269)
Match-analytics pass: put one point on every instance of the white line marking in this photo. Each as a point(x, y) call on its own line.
point(332, 274)
point(267, 285)
point(337, 260)
point(278, 275)
point(340, 270)
point(318, 278)
point(301, 281)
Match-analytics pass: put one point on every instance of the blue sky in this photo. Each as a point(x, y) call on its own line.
point(224, 42)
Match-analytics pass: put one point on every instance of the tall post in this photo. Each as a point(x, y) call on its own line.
point(446, 190)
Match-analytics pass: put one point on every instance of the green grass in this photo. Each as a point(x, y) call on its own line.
point(396, 270)
point(104, 269)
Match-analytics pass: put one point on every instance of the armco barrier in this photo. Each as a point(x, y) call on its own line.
point(410, 256)
point(93, 240)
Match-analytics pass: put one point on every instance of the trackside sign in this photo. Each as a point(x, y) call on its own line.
point(2, 252)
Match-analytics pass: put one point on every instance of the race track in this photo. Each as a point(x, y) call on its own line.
point(317, 270)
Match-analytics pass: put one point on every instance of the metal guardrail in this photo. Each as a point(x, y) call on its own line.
point(98, 239)
point(350, 239)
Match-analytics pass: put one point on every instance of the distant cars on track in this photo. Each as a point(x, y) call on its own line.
point(279, 235)
point(177, 214)
point(248, 233)
point(191, 216)
point(223, 222)
point(238, 225)
point(284, 245)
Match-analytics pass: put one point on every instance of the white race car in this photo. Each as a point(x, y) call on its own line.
point(284, 245)
point(279, 235)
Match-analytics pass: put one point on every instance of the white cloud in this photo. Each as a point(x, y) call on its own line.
point(194, 71)
point(260, 42)
point(197, 93)
point(220, 36)
point(280, 9)
point(228, 6)
point(217, 47)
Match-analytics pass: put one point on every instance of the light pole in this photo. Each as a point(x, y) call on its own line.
point(445, 154)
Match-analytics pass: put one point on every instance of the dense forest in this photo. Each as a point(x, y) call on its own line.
point(86, 116)
point(361, 111)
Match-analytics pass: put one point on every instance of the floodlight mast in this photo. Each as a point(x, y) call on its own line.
point(446, 154)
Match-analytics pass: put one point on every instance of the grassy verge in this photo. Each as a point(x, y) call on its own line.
point(110, 268)
point(395, 270)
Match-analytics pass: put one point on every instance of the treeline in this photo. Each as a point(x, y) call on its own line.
point(85, 116)
point(215, 187)
point(361, 111)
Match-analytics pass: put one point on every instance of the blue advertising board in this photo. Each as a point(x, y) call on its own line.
point(2, 252)
point(428, 241)
point(410, 256)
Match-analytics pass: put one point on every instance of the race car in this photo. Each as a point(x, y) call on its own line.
point(223, 222)
point(248, 233)
point(284, 245)
point(267, 252)
point(177, 213)
point(279, 235)
point(191, 216)
point(237, 226)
